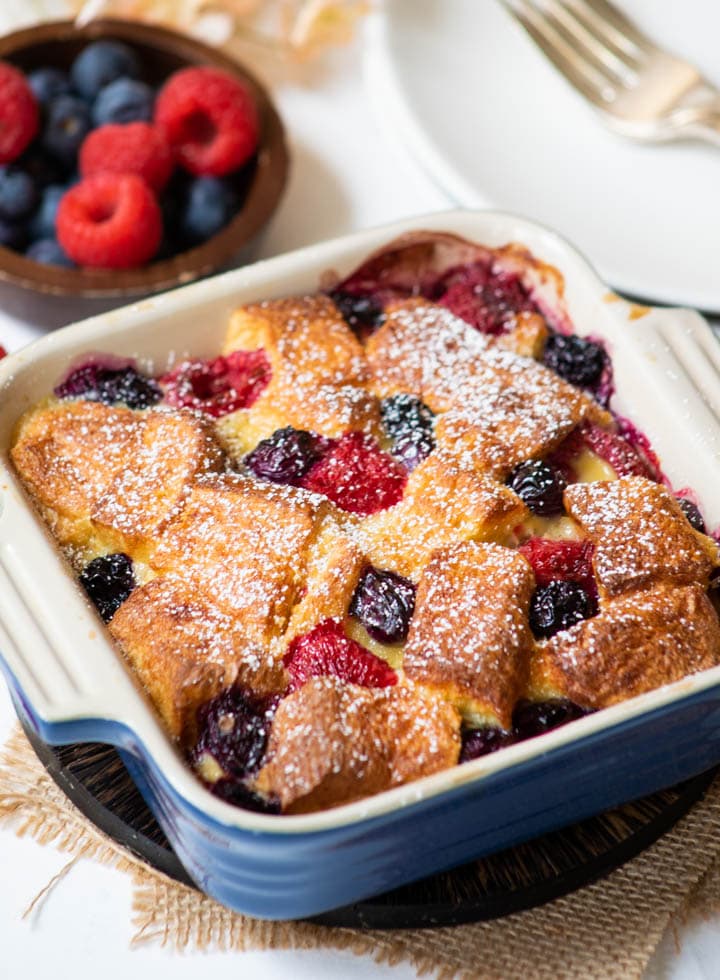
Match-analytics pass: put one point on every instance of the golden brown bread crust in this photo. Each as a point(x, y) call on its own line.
point(635, 644)
point(469, 638)
point(640, 534)
point(332, 743)
point(185, 650)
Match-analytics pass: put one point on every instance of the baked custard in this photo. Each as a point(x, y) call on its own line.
point(388, 528)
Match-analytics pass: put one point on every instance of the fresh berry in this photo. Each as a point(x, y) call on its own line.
point(362, 313)
point(210, 204)
point(13, 235)
point(67, 123)
point(218, 386)
point(233, 728)
point(539, 486)
point(577, 360)
point(19, 114)
point(210, 120)
point(409, 423)
point(569, 561)
point(384, 603)
point(558, 606)
point(108, 581)
point(357, 475)
point(48, 83)
point(616, 451)
point(123, 101)
point(326, 650)
point(111, 221)
point(3, 352)
point(43, 223)
point(48, 251)
point(482, 741)
point(692, 512)
point(135, 148)
point(18, 194)
point(485, 297)
point(100, 63)
point(95, 382)
point(235, 791)
point(287, 455)
point(531, 718)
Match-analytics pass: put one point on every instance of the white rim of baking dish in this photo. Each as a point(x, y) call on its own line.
point(666, 361)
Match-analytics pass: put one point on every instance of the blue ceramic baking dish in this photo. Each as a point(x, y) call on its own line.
point(69, 684)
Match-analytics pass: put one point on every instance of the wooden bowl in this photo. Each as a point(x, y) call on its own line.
point(162, 52)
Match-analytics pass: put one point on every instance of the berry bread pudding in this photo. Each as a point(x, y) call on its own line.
point(390, 527)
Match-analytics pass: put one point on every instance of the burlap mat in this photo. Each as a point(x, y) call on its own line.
point(607, 930)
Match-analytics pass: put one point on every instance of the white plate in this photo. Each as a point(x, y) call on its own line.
point(487, 116)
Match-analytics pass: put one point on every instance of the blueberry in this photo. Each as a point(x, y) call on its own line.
point(234, 728)
point(579, 361)
point(286, 456)
point(18, 194)
point(692, 512)
point(66, 126)
point(108, 581)
point(208, 207)
point(539, 486)
point(43, 168)
point(483, 741)
point(558, 606)
point(101, 63)
point(111, 386)
point(12, 235)
point(48, 251)
point(124, 101)
point(409, 423)
point(384, 603)
point(531, 718)
point(362, 314)
point(42, 223)
point(47, 83)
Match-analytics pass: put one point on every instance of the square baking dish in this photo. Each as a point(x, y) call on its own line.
point(69, 684)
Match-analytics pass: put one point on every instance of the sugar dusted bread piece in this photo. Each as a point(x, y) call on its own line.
point(527, 337)
point(184, 651)
point(469, 639)
point(332, 743)
point(245, 543)
point(635, 644)
point(446, 501)
point(641, 535)
point(107, 478)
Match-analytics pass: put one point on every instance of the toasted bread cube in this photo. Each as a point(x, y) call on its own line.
point(469, 638)
point(635, 644)
point(332, 743)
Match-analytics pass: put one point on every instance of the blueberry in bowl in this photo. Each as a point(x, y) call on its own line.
point(127, 98)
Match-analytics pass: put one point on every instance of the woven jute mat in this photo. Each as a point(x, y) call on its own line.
point(607, 930)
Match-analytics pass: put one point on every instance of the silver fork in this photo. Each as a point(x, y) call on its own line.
point(641, 90)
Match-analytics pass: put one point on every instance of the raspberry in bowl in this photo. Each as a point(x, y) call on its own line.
point(135, 159)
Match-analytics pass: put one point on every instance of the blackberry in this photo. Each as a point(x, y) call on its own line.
point(692, 512)
point(483, 741)
point(540, 487)
point(558, 606)
point(579, 361)
point(234, 729)
point(409, 423)
point(362, 314)
point(532, 718)
point(384, 603)
point(108, 581)
point(111, 386)
point(236, 792)
point(287, 455)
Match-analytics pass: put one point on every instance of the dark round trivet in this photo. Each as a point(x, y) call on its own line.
point(95, 779)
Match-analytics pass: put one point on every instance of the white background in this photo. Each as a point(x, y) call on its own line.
point(348, 172)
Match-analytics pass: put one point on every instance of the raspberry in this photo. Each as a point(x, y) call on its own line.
point(210, 120)
point(111, 221)
point(326, 650)
point(135, 148)
point(3, 352)
point(484, 297)
point(569, 561)
point(218, 386)
point(357, 475)
point(616, 451)
point(19, 115)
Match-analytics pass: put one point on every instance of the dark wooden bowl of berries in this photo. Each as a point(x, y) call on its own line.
point(132, 159)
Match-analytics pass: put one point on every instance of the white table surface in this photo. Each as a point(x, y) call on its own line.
point(348, 172)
